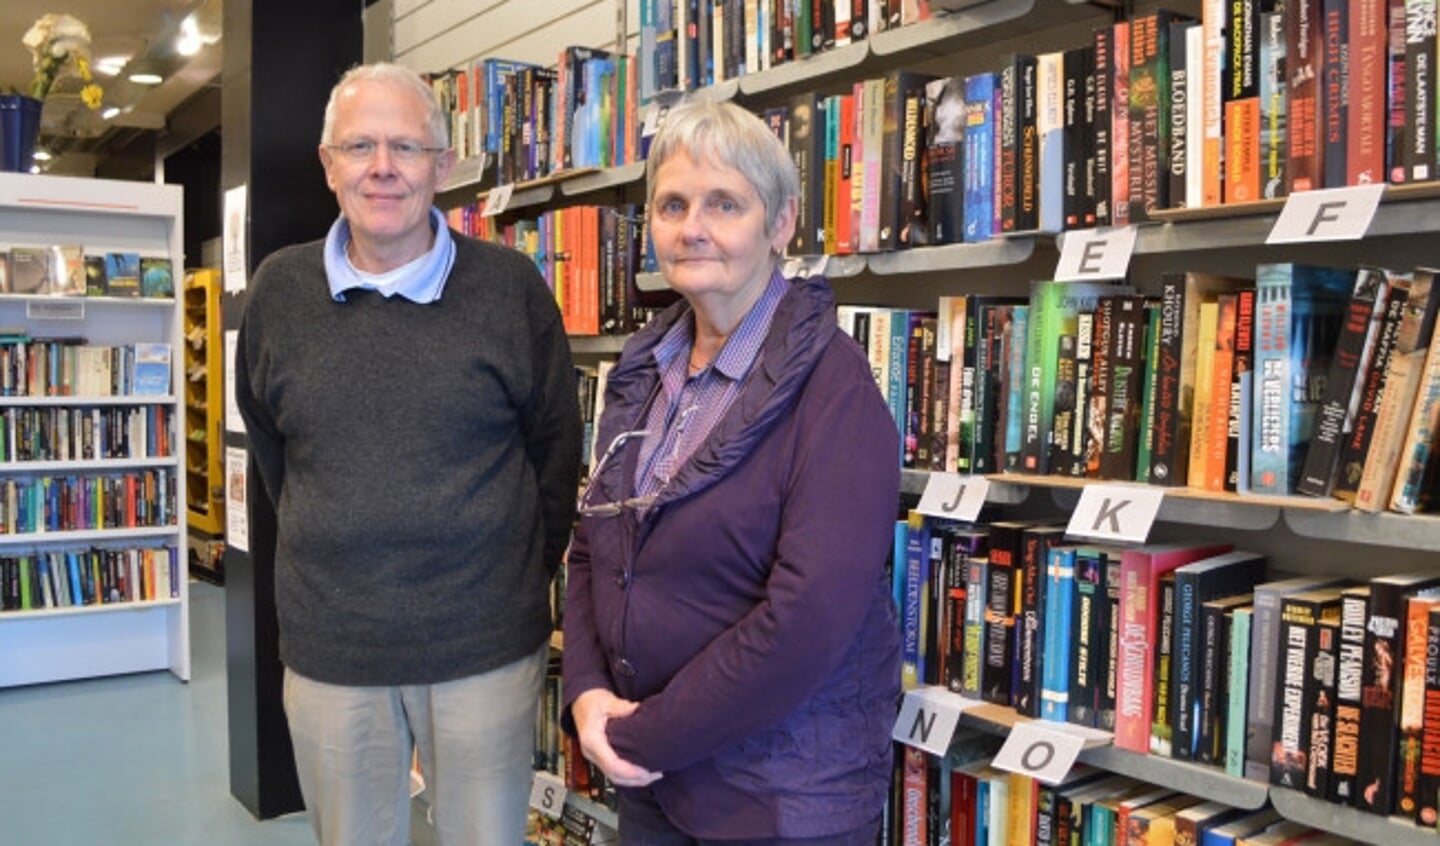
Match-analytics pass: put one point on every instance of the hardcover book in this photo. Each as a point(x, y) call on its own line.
point(1299, 314)
point(1380, 687)
point(1197, 583)
point(1140, 572)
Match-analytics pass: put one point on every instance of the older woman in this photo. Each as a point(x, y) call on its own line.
point(731, 649)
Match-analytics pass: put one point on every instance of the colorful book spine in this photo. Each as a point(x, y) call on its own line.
point(1238, 691)
point(979, 147)
point(1059, 606)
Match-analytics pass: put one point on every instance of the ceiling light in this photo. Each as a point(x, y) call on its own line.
point(42, 155)
point(146, 78)
point(188, 42)
point(110, 65)
point(110, 112)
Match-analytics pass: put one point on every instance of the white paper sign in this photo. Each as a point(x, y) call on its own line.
point(1329, 214)
point(237, 518)
point(928, 717)
point(1095, 254)
point(497, 199)
point(953, 496)
point(55, 310)
point(1116, 512)
point(547, 794)
point(233, 421)
point(1034, 750)
point(234, 240)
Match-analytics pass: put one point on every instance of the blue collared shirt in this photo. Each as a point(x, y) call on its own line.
point(688, 407)
point(419, 281)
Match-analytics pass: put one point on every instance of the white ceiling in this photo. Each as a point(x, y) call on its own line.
point(142, 29)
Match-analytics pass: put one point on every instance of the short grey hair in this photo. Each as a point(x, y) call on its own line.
point(437, 120)
point(725, 134)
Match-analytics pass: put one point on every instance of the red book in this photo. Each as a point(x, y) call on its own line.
point(1140, 572)
point(1367, 104)
point(846, 241)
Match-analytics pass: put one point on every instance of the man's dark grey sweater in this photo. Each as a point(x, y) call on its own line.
point(422, 461)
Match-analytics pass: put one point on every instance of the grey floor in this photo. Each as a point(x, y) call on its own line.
point(130, 760)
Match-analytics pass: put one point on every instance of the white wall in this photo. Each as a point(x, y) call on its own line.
point(433, 35)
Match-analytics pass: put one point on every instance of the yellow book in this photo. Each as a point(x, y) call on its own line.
point(1022, 810)
point(1204, 379)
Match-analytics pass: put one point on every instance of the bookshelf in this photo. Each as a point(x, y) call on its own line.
point(204, 403)
point(1299, 533)
point(85, 640)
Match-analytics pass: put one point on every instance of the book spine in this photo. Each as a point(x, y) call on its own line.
point(1029, 658)
point(1333, 92)
point(1126, 367)
point(1009, 144)
point(1145, 452)
point(1055, 666)
point(1150, 114)
point(1180, 94)
point(1016, 348)
point(1104, 45)
point(1416, 447)
point(1384, 644)
point(1429, 779)
point(1418, 159)
point(1106, 687)
point(1355, 445)
point(912, 228)
point(1320, 703)
point(1170, 458)
point(977, 579)
point(1242, 104)
point(1080, 436)
point(979, 147)
point(1412, 704)
point(1186, 658)
point(1063, 425)
point(1269, 453)
point(1366, 110)
point(1097, 415)
point(1288, 760)
point(1238, 691)
point(1162, 724)
point(1273, 93)
point(1349, 669)
point(1089, 595)
point(995, 680)
point(1303, 48)
point(1237, 433)
point(1027, 106)
point(1352, 355)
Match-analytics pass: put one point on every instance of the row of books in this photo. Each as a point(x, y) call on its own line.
point(70, 366)
point(1185, 650)
point(87, 501)
point(67, 270)
point(1300, 380)
point(73, 434)
point(79, 577)
point(537, 121)
point(689, 45)
point(977, 805)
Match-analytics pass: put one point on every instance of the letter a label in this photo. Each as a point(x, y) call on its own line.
point(1115, 512)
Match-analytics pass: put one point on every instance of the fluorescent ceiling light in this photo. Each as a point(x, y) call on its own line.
point(42, 155)
point(188, 42)
point(110, 65)
point(110, 112)
point(146, 78)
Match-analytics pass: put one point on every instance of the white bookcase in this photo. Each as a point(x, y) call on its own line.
point(51, 644)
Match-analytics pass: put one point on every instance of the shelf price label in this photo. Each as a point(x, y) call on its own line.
point(55, 310)
point(497, 199)
point(1116, 512)
point(953, 496)
point(547, 794)
point(1327, 214)
point(928, 717)
point(1035, 750)
point(1095, 254)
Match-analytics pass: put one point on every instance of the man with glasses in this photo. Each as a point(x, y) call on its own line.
point(410, 401)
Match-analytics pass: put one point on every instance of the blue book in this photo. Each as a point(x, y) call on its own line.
point(1299, 313)
point(1055, 664)
point(72, 564)
point(496, 73)
point(151, 374)
point(899, 357)
point(979, 211)
point(1238, 691)
point(982, 810)
point(917, 565)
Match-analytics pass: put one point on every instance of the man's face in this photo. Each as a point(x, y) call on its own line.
point(385, 197)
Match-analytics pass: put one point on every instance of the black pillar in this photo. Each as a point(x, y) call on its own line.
point(281, 59)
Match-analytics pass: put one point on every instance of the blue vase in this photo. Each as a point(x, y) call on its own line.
point(19, 130)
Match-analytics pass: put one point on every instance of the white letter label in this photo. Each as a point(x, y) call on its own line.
point(547, 794)
point(928, 716)
point(1034, 750)
point(1095, 254)
point(1115, 512)
point(1328, 214)
point(497, 199)
point(953, 496)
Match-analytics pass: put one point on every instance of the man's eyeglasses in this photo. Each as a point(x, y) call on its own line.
point(610, 509)
point(364, 150)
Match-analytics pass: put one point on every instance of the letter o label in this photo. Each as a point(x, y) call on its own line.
point(1038, 755)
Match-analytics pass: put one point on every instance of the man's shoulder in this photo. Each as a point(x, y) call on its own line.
point(490, 268)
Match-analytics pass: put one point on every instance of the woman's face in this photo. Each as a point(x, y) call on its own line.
point(708, 226)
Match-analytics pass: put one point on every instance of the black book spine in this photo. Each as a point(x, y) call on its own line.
point(1349, 669)
point(1170, 457)
point(1289, 751)
point(1110, 638)
point(1163, 720)
point(1356, 442)
point(1089, 594)
point(995, 677)
point(1104, 85)
point(1126, 364)
point(1027, 204)
point(1429, 788)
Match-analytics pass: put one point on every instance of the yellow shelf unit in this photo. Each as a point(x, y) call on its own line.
point(204, 402)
